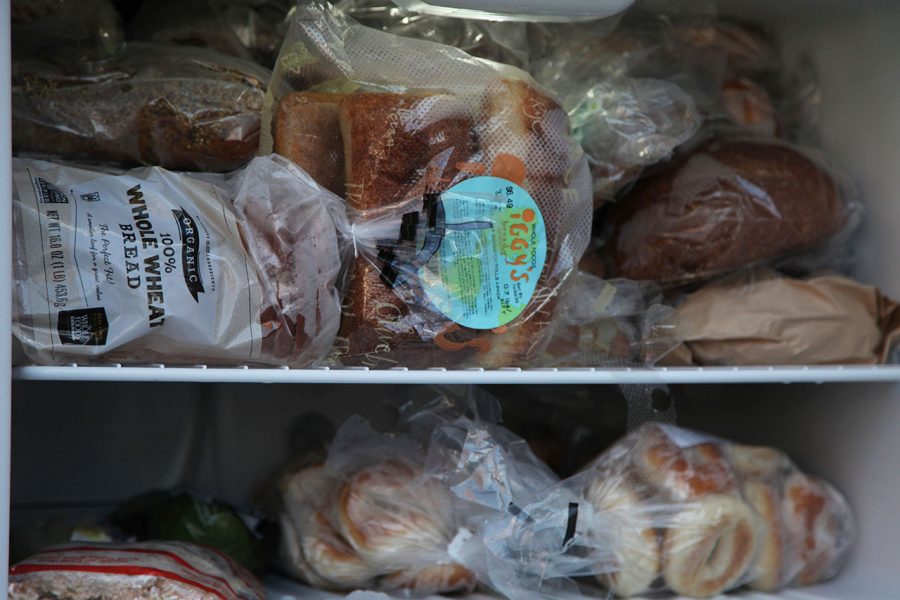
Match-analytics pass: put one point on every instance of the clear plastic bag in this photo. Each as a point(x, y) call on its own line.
point(733, 202)
point(499, 41)
point(249, 29)
point(139, 570)
point(471, 200)
point(154, 266)
point(638, 89)
point(613, 323)
point(826, 319)
point(700, 516)
point(369, 517)
point(174, 107)
point(79, 29)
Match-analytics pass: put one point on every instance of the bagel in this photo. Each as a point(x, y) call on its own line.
point(709, 546)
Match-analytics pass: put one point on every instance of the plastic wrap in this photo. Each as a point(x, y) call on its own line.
point(700, 516)
point(368, 517)
point(137, 571)
point(825, 319)
point(613, 323)
point(250, 29)
point(179, 108)
point(77, 29)
point(639, 90)
point(732, 203)
point(470, 199)
point(154, 266)
point(501, 41)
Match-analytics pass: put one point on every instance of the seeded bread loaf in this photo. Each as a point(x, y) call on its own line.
point(178, 108)
point(730, 204)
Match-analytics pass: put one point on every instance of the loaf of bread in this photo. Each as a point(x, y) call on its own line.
point(416, 120)
point(175, 107)
point(730, 204)
point(308, 132)
point(393, 149)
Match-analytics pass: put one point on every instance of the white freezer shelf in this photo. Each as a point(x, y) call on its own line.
point(616, 376)
point(278, 588)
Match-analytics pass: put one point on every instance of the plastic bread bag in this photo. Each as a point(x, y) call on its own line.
point(699, 516)
point(249, 29)
point(154, 266)
point(175, 107)
point(478, 196)
point(639, 91)
point(80, 29)
point(612, 323)
point(501, 41)
point(732, 202)
point(825, 319)
point(369, 517)
point(139, 570)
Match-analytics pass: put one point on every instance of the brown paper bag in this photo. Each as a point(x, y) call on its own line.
point(774, 320)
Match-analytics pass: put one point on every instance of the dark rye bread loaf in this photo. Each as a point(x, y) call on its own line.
point(729, 204)
point(178, 108)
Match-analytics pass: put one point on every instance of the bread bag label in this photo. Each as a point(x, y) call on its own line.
point(110, 259)
point(491, 253)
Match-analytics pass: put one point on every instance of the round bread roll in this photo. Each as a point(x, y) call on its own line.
point(302, 492)
point(685, 473)
point(730, 204)
point(631, 530)
point(767, 571)
point(392, 518)
point(759, 462)
point(709, 546)
point(330, 558)
point(818, 525)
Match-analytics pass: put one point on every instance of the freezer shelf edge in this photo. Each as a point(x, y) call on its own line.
point(616, 376)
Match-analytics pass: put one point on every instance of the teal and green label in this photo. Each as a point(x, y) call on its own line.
point(491, 255)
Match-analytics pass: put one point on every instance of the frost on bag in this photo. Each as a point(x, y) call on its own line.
point(470, 199)
point(149, 265)
point(145, 570)
point(700, 516)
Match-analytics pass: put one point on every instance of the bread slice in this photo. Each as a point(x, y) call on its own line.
point(396, 145)
point(306, 130)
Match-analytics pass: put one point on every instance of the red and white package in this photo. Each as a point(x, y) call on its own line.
point(172, 570)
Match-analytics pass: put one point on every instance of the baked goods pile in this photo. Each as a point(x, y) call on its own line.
point(448, 501)
point(700, 516)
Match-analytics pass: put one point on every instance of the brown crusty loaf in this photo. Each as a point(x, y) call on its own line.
point(395, 148)
point(391, 139)
point(178, 108)
point(308, 132)
point(730, 204)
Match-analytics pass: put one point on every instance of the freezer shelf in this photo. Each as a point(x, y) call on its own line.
point(278, 588)
point(362, 375)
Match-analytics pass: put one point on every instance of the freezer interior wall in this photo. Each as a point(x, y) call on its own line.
point(97, 444)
